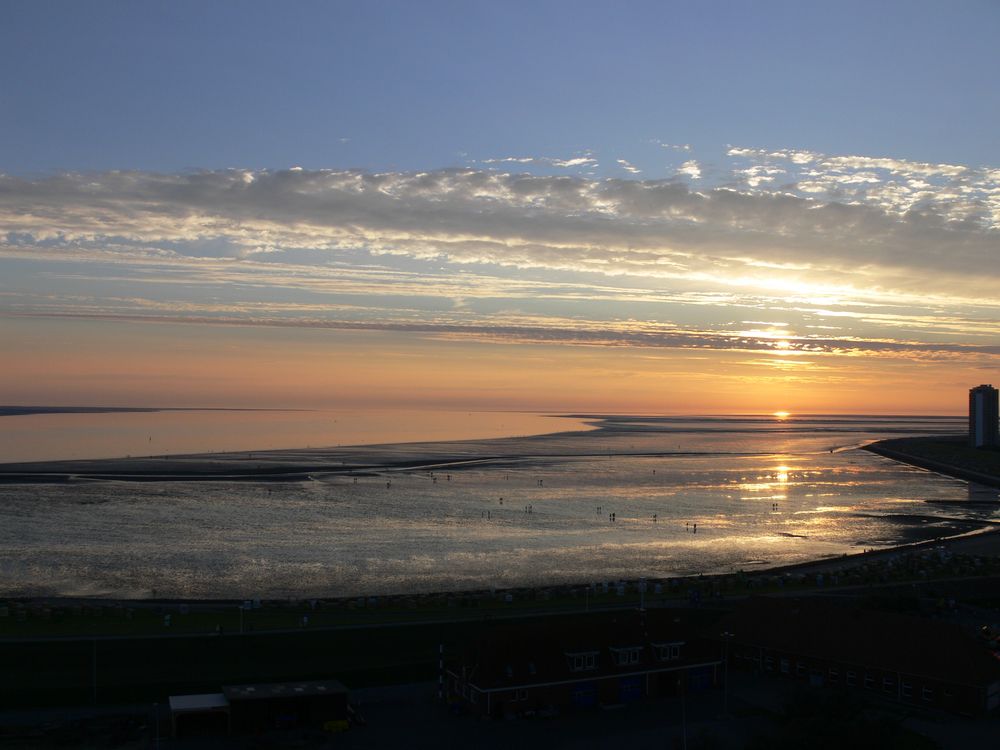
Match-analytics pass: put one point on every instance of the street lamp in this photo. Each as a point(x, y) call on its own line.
point(684, 728)
point(726, 637)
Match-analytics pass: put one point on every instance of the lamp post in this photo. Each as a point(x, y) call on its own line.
point(684, 729)
point(726, 637)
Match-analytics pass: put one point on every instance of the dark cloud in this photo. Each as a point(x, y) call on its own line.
point(579, 336)
point(613, 226)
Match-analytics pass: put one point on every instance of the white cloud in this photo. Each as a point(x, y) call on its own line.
point(673, 146)
point(949, 192)
point(658, 234)
point(578, 161)
point(575, 161)
point(690, 168)
point(628, 167)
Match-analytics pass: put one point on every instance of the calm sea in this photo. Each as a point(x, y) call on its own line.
point(45, 437)
point(485, 513)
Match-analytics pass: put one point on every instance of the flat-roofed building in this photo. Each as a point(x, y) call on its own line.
point(199, 715)
point(984, 417)
point(581, 662)
point(261, 707)
point(903, 659)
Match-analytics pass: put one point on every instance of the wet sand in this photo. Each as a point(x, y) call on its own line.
point(410, 469)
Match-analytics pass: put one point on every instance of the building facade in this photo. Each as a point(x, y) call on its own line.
point(902, 659)
point(984, 417)
point(582, 663)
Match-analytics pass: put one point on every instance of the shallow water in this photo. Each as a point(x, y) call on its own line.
point(761, 492)
point(62, 436)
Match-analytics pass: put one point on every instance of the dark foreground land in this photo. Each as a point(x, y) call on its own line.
point(74, 687)
point(949, 455)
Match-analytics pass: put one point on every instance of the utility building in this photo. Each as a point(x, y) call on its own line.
point(983, 417)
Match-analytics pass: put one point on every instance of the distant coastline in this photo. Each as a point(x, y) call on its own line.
point(950, 455)
point(21, 411)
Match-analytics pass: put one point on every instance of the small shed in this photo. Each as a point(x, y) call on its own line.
point(318, 704)
point(199, 715)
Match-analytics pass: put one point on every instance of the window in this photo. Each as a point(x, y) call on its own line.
point(626, 656)
point(783, 665)
point(833, 675)
point(888, 685)
point(580, 662)
point(852, 679)
point(907, 689)
point(869, 682)
point(928, 694)
point(521, 695)
point(769, 663)
point(668, 651)
point(800, 669)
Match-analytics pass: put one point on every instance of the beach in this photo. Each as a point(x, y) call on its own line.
point(629, 498)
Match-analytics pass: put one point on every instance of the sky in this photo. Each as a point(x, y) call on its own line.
point(658, 207)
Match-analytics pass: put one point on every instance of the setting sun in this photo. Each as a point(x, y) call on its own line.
point(781, 414)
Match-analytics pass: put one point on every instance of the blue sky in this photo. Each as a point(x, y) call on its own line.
point(759, 199)
point(180, 85)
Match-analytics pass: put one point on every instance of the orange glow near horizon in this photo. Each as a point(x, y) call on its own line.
point(101, 363)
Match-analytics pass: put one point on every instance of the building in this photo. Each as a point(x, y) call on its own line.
point(984, 417)
point(582, 662)
point(287, 705)
point(909, 660)
point(201, 715)
point(262, 707)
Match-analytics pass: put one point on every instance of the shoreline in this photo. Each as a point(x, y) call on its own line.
point(983, 541)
